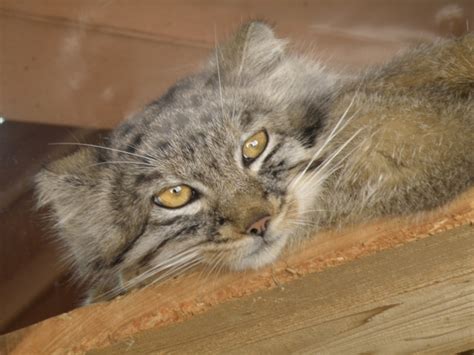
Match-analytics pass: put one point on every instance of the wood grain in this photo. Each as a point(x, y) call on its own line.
point(417, 298)
point(101, 325)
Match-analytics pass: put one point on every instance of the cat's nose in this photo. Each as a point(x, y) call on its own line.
point(259, 227)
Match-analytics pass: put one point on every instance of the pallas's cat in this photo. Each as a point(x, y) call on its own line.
point(259, 150)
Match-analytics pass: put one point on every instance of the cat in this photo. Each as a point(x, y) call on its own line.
point(258, 151)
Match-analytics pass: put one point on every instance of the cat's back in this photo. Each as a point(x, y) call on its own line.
point(445, 67)
point(414, 146)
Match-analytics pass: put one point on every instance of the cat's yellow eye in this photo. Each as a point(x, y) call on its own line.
point(174, 197)
point(255, 145)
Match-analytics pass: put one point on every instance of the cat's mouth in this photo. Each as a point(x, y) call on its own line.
point(258, 252)
point(240, 250)
point(247, 251)
point(292, 220)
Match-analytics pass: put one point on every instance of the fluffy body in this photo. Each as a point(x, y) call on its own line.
point(392, 140)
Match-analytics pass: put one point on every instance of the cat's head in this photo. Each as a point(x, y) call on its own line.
point(218, 170)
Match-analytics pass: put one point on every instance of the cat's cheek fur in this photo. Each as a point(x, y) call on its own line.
point(303, 192)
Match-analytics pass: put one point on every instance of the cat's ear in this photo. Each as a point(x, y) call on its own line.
point(91, 219)
point(251, 51)
point(63, 180)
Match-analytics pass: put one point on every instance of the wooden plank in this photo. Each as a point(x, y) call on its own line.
point(417, 298)
point(180, 299)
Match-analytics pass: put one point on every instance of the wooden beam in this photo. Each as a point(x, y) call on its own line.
point(414, 299)
point(105, 324)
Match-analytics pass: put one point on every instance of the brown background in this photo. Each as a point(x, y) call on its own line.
point(90, 63)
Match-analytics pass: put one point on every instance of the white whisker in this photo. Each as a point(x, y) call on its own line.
point(239, 73)
point(213, 265)
point(102, 147)
point(170, 262)
point(335, 131)
point(179, 270)
point(337, 152)
point(167, 264)
point(121, 162)
point(219, 72)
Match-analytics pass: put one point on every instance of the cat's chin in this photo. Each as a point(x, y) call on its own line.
point(260, 252)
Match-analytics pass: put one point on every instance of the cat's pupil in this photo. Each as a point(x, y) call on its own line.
point(176, 190)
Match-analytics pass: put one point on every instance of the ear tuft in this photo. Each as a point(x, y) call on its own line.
point(253, 49)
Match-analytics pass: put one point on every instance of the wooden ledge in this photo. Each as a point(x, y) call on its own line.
point(415, 299)
point(443, 259)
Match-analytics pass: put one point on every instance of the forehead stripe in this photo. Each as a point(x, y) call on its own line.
point(144, 178)
point(133, 147)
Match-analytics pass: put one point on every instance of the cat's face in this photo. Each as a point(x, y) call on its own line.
point(219, 170)
point(212, 167)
